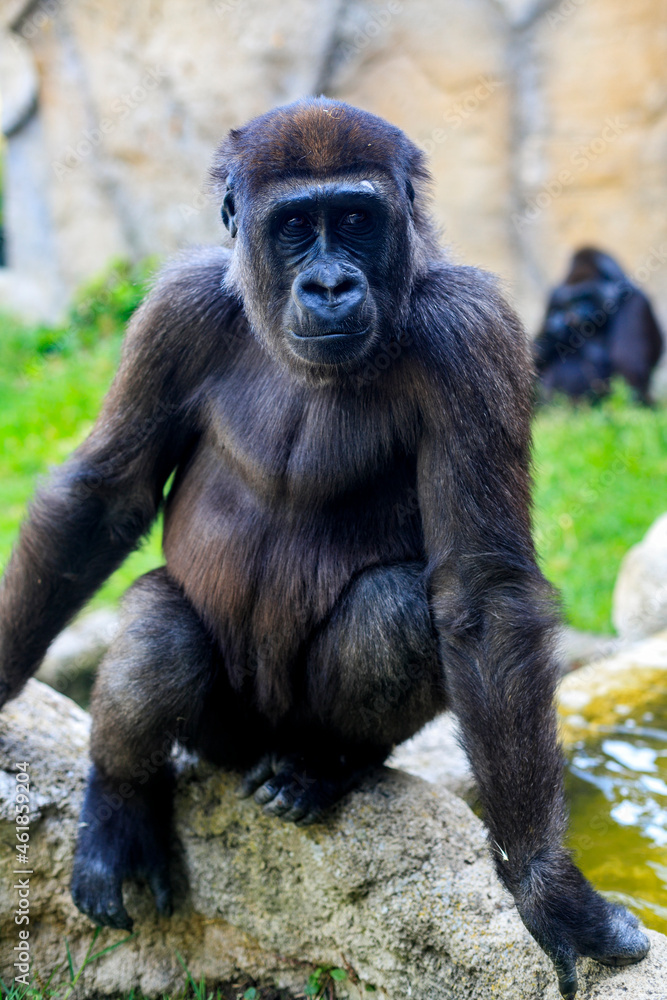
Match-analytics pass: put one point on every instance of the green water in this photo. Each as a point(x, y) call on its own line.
point(617, 792)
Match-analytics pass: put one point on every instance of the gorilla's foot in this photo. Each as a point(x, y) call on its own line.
point(121, 839)
point(298, 789)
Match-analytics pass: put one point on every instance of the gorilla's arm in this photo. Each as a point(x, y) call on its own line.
point(493, 609)
point(495, 615)
point(96, 507)
point(635, 341)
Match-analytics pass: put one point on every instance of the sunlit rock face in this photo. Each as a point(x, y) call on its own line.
point(640, 594)
point(396, 887)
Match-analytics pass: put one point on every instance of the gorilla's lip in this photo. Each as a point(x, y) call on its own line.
point(329, 348)
point(336, 335)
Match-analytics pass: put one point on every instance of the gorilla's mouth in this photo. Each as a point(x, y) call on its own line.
point(327, 335)
point(329, 346)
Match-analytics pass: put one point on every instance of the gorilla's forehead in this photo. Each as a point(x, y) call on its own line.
point(341, 188)
point(316, 138)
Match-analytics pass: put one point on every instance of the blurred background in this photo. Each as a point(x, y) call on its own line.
point(545, 121)
point(546, 126)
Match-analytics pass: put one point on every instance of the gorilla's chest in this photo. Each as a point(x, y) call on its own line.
point(300, 444)
point(291, 491)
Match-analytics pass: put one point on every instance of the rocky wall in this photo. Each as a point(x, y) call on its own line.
point(545, 120)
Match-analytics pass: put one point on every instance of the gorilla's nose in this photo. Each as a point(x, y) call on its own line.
point(329, 293)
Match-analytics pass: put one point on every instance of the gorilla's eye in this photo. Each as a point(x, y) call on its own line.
point(357, 224)
point(354, 220)
point(296, 225)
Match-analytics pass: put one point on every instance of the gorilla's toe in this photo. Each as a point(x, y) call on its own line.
point(98, 893)
point(160, 884)
point(256, 776)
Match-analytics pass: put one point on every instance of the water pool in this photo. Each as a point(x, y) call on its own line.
point(616, 786)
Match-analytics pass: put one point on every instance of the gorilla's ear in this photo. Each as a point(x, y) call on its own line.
point(228, 210)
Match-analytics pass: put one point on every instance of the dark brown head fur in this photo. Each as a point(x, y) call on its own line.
point(315, 137)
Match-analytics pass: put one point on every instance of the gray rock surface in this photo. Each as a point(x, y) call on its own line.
point(640, 594)
point(658, 387)
point(435, 755)
point(18, 82)
point(11, 12)
point(396, 887)
point(579, 648)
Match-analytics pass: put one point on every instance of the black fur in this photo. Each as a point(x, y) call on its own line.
point(347, 537)
point(598, 324)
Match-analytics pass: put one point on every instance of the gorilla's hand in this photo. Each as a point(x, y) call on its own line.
point(568, 919)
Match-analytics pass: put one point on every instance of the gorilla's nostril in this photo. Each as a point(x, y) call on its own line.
point(328, 292)
point(348, 285)
point(316, 290)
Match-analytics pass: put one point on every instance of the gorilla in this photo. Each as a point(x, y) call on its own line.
point(598, 324)
point(336, 421)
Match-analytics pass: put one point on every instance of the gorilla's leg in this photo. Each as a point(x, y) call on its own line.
point(148, 693)
point(372, 680)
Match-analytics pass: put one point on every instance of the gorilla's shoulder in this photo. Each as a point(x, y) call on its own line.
point(468, 338)
point(189, 301)
point(194, 281)
point(461, 308)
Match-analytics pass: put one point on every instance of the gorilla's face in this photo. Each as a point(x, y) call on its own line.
point(323, 269)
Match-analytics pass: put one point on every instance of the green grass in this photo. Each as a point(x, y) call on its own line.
point(600, 471)
point(600, 478)
point(62, 982)
point(51, 384)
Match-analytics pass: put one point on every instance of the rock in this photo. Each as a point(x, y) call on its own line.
point(583, 134)
point(18, 82)
point(441, 73)
point(12, 11)
point(396, 887)
point(33, 299)
point(658, 386)
point(639, 604)
point(590, 697)
point(435, 755)
point(133, 101)
point(71, 660)
point(579, 648)
point(453, 99)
